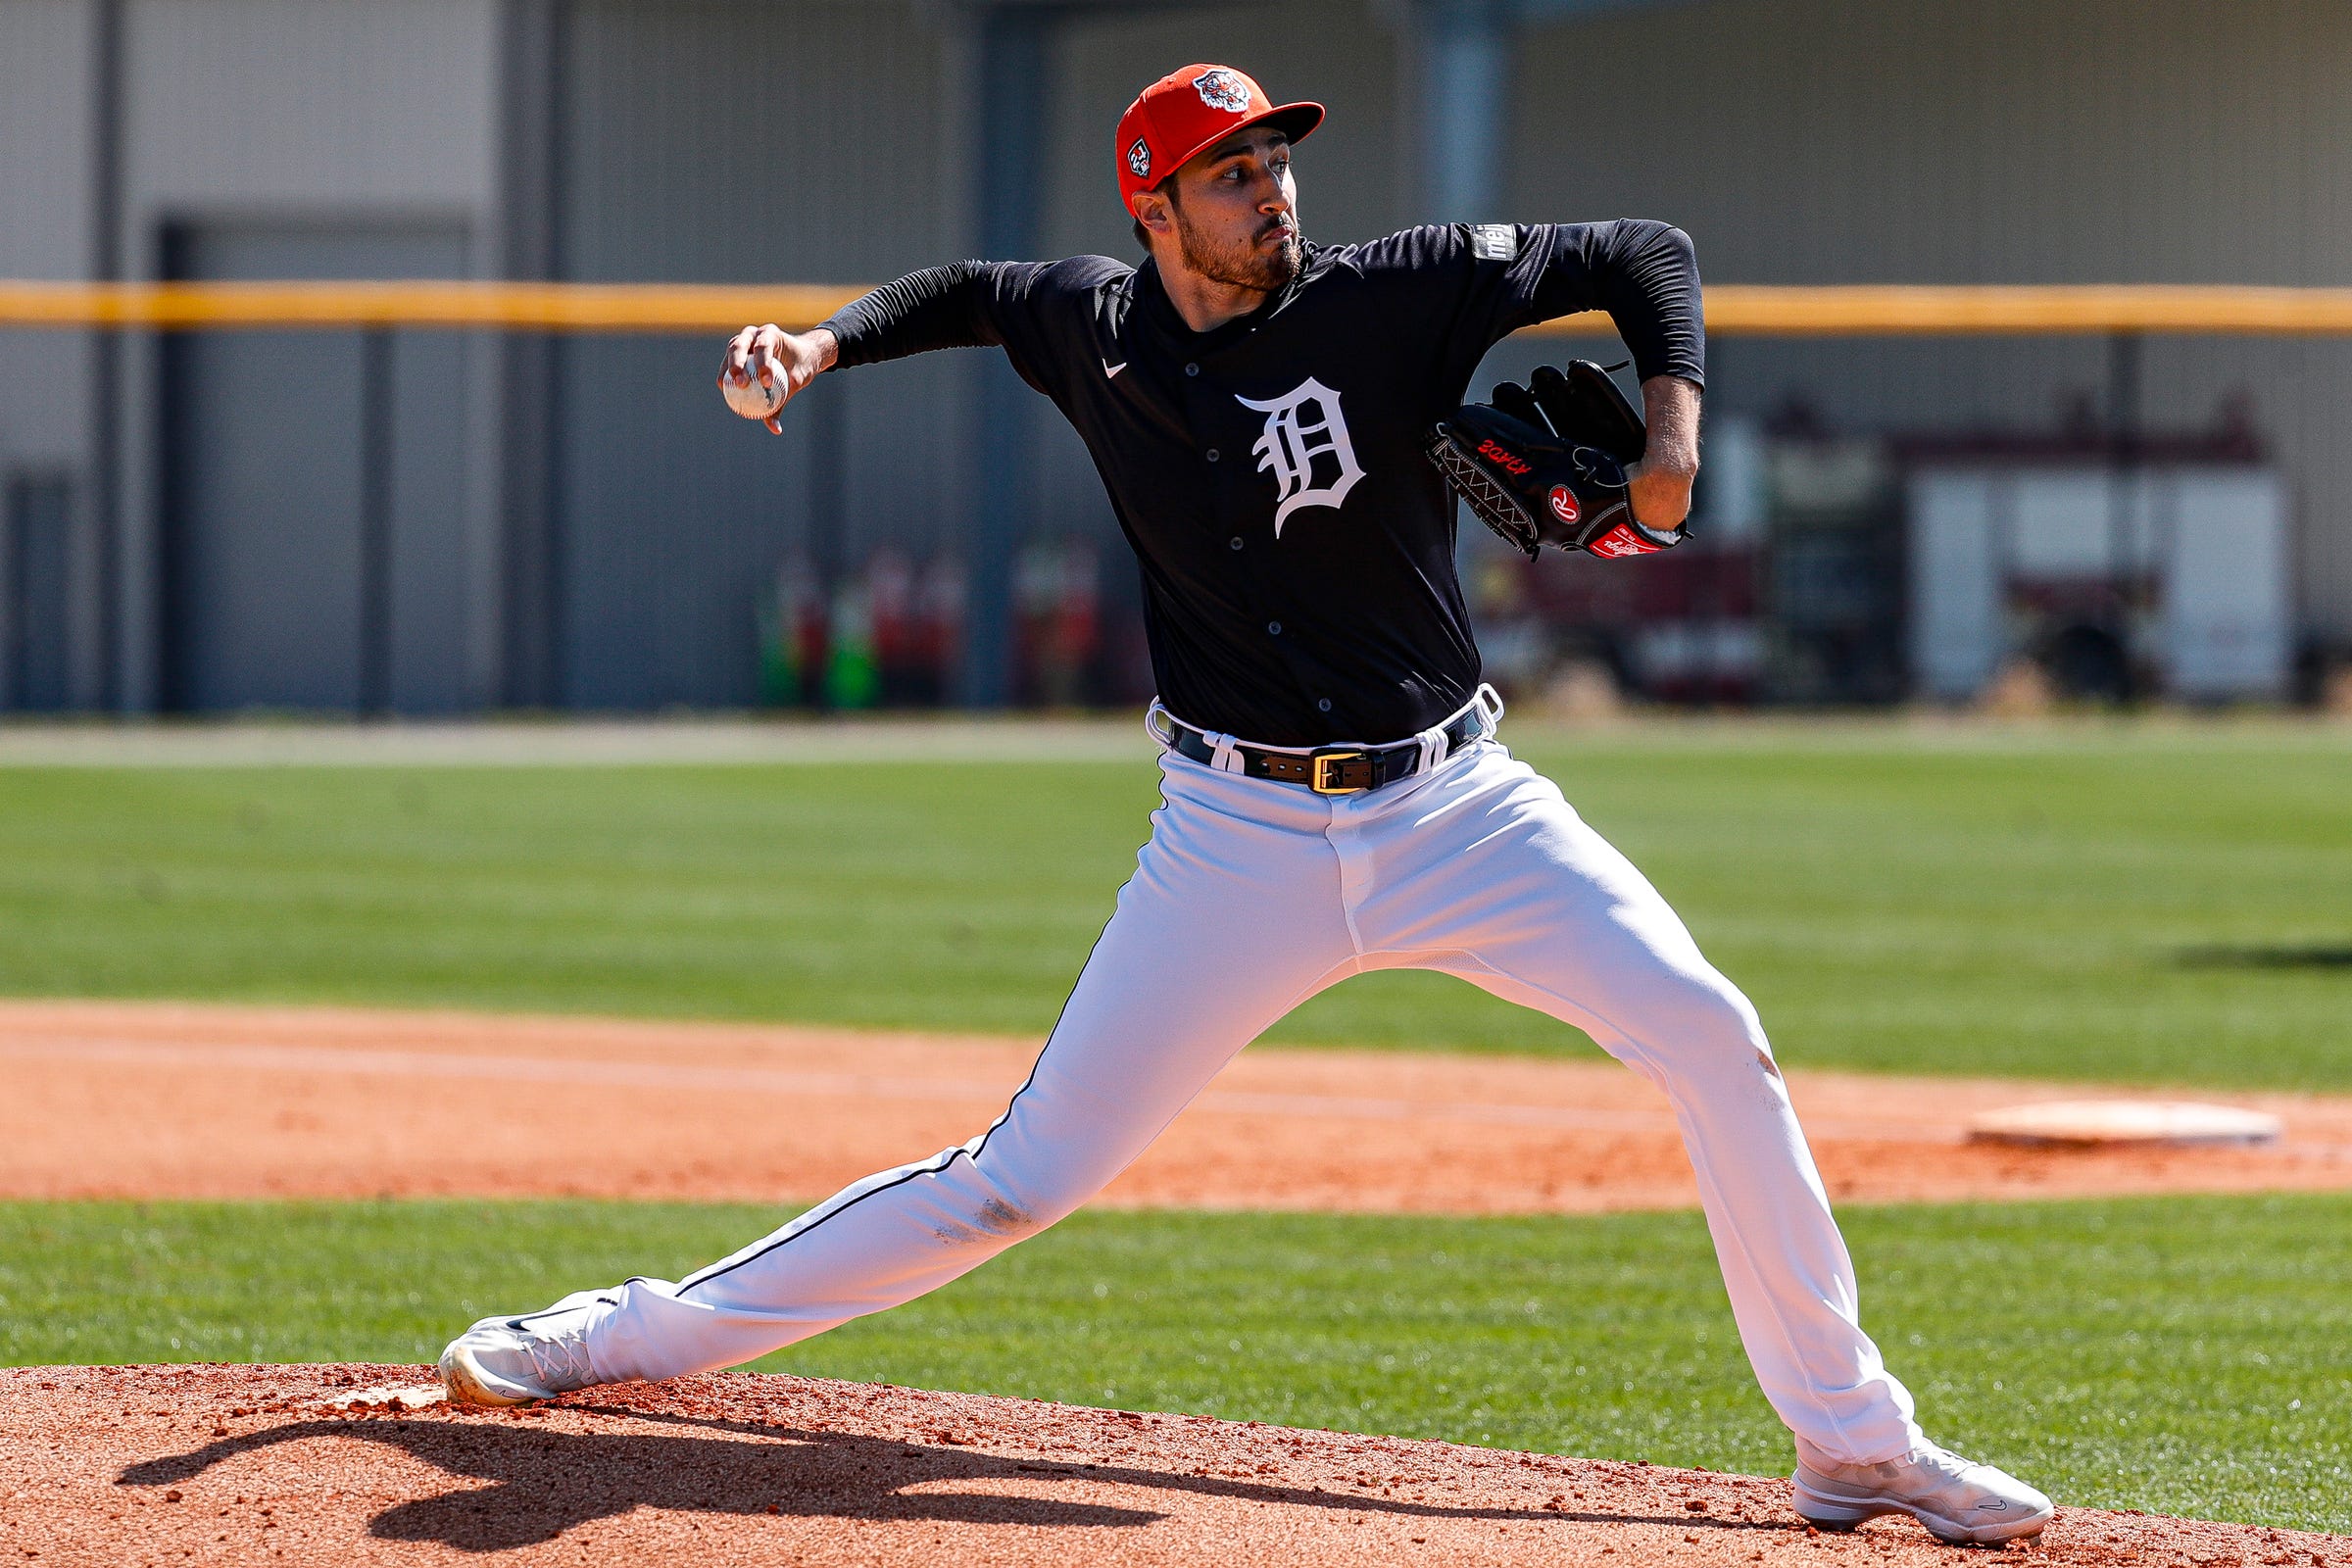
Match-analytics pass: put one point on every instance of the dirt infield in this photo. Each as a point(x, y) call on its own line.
point(118, 1465)
point(219, 1102)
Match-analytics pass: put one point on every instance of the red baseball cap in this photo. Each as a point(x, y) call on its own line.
point(1176, 119)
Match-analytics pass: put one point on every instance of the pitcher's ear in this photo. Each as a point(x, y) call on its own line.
point(1154, 213)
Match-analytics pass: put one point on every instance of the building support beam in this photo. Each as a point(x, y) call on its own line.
point(104, 486)
point(1010, 129)
point(1463, 86)
point(528, 246)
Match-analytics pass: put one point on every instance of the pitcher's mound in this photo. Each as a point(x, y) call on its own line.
point(277, 1464)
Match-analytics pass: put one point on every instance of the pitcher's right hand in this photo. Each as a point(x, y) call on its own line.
point(777, 359)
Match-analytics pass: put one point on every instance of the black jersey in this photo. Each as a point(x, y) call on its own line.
point(1298, 548)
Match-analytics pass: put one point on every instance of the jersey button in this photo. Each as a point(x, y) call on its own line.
point(1234, 543)
point(1192, 369)
point(1273, 628)
point(1211, 454)
point(1322, 705)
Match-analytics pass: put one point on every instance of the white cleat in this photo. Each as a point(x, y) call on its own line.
point(1960, 1503)
point(518, 1361)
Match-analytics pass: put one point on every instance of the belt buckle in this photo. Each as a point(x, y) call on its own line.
point(1325, 765)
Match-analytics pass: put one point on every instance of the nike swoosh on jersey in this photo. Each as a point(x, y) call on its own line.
point(1110, 371)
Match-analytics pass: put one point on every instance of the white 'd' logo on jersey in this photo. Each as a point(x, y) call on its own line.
point(1306, 433)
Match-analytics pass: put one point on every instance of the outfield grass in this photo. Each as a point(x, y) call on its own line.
point(2187, 1355)
point(2127, 903)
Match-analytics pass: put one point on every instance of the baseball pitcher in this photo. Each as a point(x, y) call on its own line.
point(1279, 427)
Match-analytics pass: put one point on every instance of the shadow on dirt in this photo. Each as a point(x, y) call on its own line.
point(542, 1482)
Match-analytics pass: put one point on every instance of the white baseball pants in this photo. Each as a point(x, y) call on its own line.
point(1251, 896)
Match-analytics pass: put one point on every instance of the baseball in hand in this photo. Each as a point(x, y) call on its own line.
point(751, 400)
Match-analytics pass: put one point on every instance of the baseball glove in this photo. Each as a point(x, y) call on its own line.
point(1545, 463)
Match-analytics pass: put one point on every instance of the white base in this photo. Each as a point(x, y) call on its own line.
point(2111, 1123)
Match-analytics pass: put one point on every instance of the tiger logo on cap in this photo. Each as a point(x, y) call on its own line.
point(1223, 89)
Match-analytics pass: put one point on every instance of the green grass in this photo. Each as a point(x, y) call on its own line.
point(2126, 902)
point(2187, 1355)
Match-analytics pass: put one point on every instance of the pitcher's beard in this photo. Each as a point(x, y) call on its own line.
point(1243, 265)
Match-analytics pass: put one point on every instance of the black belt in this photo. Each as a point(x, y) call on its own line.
point(1331, 769)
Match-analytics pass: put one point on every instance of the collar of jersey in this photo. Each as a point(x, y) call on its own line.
point(1162, 314)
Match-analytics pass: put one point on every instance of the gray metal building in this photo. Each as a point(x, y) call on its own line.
point(437, 522)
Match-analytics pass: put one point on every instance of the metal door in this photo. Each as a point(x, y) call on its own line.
point(314, 532)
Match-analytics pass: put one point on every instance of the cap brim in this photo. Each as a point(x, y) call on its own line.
point(1296, 122)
